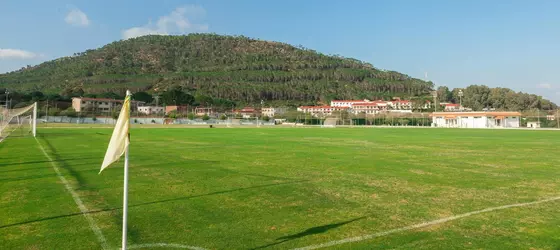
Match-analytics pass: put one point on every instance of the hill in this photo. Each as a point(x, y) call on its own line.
point(233, 68)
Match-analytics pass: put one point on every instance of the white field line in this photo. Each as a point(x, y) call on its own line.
point(425, 224)
point(165, 245)
point(78, 201)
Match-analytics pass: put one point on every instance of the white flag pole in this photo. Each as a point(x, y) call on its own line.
point(125, 199)
point(125, 188)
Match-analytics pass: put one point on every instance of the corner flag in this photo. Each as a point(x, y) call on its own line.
point(118, 145)
point(120, 138)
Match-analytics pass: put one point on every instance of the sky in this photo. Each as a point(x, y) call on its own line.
point(498, 43)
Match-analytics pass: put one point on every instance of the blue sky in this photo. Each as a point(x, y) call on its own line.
point(508, 43)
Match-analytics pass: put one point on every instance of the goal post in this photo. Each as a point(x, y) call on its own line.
point(18, 122)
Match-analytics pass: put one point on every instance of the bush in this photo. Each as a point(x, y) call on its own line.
point(223, 117)
point(205, 117)
point(266, 118)
point(135, 121)
point(191, 116)
point(153, 121)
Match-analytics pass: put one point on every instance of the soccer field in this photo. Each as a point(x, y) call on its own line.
point(284, 188)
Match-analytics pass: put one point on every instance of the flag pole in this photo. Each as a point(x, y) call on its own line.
point(125, 188)
point(125, 199)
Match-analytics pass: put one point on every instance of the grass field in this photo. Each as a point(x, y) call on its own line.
point(283, 188)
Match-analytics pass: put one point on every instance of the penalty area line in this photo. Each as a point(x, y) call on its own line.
point(165, 245)
point(424, 224)
point(77, 200)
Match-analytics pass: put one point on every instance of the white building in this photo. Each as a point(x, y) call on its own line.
point(271, 112)
point(320, 110)
point(346, 103)
point(476, 119)
point(81, 104)
point(151, 110)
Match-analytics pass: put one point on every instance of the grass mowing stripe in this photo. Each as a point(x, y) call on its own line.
point(165, 245)
point(424, 224)
point(78, 201)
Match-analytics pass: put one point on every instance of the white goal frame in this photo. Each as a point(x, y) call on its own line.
point(8, 116)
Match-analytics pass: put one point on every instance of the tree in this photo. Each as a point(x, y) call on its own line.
point(203, 100)
point(70, 112)
point(176, 96)
point(142, 97)
point(443, 94)
point(53, 111)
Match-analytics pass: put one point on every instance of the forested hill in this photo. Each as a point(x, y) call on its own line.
point(236, 68)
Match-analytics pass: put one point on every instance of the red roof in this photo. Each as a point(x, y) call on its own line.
point(315, 107)
point(452, 105)
point(323, 107)
point(347, 100)
point(365, 104)
point(98, 99)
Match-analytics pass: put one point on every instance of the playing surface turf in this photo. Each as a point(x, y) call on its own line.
point(283, 188)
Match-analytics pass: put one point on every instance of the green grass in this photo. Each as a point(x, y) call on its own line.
point(282, 188)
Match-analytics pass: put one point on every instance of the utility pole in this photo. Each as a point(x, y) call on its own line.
point(157, 100)
point(434, 93)
point(7, 93)
point(461, 99)
point(47, 110)
point(557, 120)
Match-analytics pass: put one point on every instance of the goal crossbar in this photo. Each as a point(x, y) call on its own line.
point(18, 116)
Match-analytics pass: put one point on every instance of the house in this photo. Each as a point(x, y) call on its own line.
point(178, 109)
point(247, 112)
point(271, 112)
point(452, 107)
point(346, 103)
point(476, 119)
point(150, 110)
point(200, 111)
point(550, 117)
point(320, 110)
point(85, 104)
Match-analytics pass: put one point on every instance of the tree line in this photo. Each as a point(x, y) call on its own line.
point(479, 97)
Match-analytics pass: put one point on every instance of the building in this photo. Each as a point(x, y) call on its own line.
point(476, 119)
point(271, 112)
point(200, 111)
point(550, 117)
point(374, 107)
point(85, 104)
point(248, 112)
point(346, 103)
point(178, 109)
point(452, 107)
point(320, 110)
point(151, 110)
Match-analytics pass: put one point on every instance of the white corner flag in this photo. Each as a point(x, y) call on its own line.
point(118, 145)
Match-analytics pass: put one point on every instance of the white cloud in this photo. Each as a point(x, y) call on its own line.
point(16, 54)
point(179, 21)
point(544, 86)
point(77, 17)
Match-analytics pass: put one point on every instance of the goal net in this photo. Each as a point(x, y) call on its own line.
point(18, 122)
point(329, 123)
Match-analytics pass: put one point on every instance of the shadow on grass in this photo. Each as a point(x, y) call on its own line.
point(82, 183)
point(147, 203)
point(216, 193)
point(309, 231)
point(37, 162)
point(25, 178)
